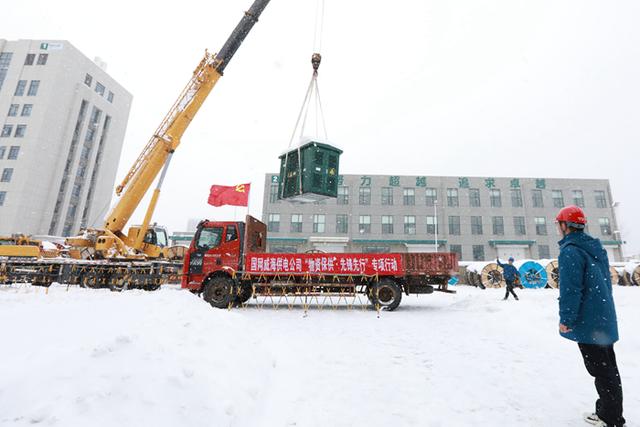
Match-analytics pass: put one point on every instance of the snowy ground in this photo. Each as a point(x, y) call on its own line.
point(96, 358)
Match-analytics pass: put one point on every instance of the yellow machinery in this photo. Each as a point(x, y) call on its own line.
point(19, 246)
point(141, 242)
point(107, 257)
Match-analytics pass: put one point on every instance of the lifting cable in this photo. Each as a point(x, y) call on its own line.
point(313, 92)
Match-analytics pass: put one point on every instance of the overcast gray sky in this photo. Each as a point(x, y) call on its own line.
point(544, 88)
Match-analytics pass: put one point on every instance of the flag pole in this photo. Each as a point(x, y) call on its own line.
point(249, 198)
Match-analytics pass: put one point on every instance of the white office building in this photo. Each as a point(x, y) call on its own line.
point(479, 218)
point(62, 125)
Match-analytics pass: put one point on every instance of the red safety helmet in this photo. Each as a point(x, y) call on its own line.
point(573, 216)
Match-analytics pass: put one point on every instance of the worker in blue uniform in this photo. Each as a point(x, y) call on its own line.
point(588, 313)
point(511, 275)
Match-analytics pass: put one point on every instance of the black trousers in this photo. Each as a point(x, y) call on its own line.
point(510, 289)
point(600, 361)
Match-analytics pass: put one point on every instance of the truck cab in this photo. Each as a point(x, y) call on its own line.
point(218, 247)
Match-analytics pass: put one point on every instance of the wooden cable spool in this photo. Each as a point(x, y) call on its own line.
point(553, 277)
point(632, 272)
point(615, 276)
point(492, 276)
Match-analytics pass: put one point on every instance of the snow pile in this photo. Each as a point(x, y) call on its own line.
point(98, 358)
point(93, 358)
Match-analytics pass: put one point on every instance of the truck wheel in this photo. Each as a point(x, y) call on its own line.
point(243, 294)
point(218, 291)
point(387, 294)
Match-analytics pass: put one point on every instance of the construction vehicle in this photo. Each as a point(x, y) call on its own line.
point(20, 245)
point(108, 255)
point(227, 265)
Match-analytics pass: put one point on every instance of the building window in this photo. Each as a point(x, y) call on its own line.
point(409, 196)
point(558, 198)
point(478, 252)
point(273, 223)
point(376, 250)
point(578, 198)
point(452, 197)
point(3, 149)
point(21, 130)
point(387, 196)
point(110, 97)
point(6, 131)
point(474, 197)
point(33, 88)
point(283, 249)
point(476, 225)
point(342, 223)
point(495, 197)
point(5, 61)
point(343, 195)
point(536, 197)
point(518, 225)
point(605, 228)
point(3, 196)
point(601, 199)
point(432, 224)
point(88, 79)
point(13, 153)
point(409, 224)
point(498, 225)
point(296, 223)
point(454, 225)
point(20, 87)
point(456, 249)
point(541, 225)
point(365, 195)
point(30, 59)
point(516, 198)
point(99, 88)
point(318, 223)
point(13, 110)
point(273, 193)
point(387, 224)
point(7, 173)
point(26, 110)
point(42, 58)
point(364, 224)
point(543, 252)
point(431, 196)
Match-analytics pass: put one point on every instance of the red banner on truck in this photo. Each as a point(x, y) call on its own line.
point(336, 263)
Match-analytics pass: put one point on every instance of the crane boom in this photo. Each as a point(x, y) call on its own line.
point(167, 137)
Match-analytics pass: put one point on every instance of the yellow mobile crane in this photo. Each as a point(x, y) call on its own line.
point(135, 258)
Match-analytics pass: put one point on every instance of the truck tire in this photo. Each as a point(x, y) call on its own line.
point(243, 294)
point(386, 294)
point(218, 291)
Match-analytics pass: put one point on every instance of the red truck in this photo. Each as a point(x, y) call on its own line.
point(227, 264)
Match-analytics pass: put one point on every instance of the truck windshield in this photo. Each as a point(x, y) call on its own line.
point(209, 238)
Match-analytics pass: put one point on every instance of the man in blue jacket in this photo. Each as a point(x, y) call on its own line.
point(510, 275)
point(587, 312)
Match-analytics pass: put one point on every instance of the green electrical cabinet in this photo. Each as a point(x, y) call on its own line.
point(309, 173)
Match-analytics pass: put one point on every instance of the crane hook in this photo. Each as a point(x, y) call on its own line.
point(315, 62)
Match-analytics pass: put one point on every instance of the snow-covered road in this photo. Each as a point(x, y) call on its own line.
point(95, 358)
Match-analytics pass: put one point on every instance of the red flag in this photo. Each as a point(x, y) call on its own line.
point(221, 195)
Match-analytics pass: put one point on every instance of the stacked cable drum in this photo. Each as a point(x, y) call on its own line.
point(632, 273)
point(615, 276)
point(532, 274)
point(485, 275)
point(553, 275)
point(535, 274)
